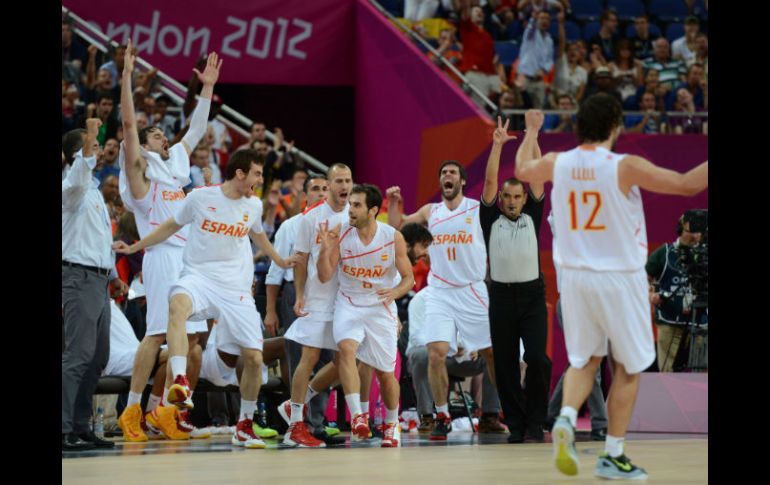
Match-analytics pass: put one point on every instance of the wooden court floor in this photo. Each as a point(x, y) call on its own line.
point(464, 460)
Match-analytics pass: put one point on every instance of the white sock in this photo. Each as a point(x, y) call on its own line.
point(153, 402)
point(165, 397)
point(178, 365)
point(570, 413)
point(354, 403)
point(391, 415)
point(364, 406)
point(247, 409)
point(310, 394)
point(134, 398)
point(614, 446)
point(296, 413)
point(443, 409)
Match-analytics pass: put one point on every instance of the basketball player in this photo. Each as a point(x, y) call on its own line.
point(601, 250)
point(368, 253)
point(151, 180)
point(458, 263)
point(217, 276)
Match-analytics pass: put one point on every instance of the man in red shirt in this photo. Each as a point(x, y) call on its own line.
point(480, 63)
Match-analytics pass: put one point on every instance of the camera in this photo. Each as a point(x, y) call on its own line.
point(694, 261)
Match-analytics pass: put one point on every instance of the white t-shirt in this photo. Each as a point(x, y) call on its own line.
point(598, 227)
point(319, 296)
point(364, 269)
point(458, 255)
point(567, 81)
point(123, 344)
point(679, 50)
point(218, 248)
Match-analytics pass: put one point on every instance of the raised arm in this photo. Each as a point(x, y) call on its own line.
point(163, 232)
point(199, 120)
point(395, 216)
point(135, 164)
point(634, 170)
point(329, 257)
point(562, 33)
point(529, 166)
point(404, 267)
point(499, 138)
point(74, 186)
point(91, 67)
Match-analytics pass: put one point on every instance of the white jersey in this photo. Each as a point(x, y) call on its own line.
point(364, 269)
point(319, 296)
point(458, 255)
point(218, 248)
point(598, 227)
point(165, 196)
point(123, 344)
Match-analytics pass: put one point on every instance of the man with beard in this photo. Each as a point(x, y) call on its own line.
point(517, 294)
point(368, 255)
point(151, 180)
point(460, 304)
point(601, 250)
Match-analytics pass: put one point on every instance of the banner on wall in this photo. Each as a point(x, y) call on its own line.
point(289, 42)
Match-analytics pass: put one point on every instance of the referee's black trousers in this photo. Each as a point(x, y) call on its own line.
point(517, 310)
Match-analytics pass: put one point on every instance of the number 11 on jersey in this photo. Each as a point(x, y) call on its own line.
point(451, 253)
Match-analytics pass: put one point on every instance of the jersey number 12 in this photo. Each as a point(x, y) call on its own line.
point(596, 198)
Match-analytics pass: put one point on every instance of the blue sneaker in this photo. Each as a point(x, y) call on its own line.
point(619, 468)
point(564, 452)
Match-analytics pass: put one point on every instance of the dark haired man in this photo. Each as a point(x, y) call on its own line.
point(601, 251)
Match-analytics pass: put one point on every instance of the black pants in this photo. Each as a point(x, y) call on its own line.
point(86, 344)
point(517, 310)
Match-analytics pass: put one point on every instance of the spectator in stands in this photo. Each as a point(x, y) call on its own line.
point(627, 72)
point(115, 66)
point(536, 58)
point(109, 189)
point(570, 77)
point(651, 122)
point(72, 50)
point(72, 108)
point(479, 63)
point(607, 36)
point(583, 59)
point(603, 82)
point(98, 81)
point(561, 123)
point(283, 161)
point(696, 84)
point(651, 85)
point(142, 121)
point(670, 71)
point(161, 118)
point(449, 50)
point(687, 122)
point(684, 47)
point(514, 98)
point(293, 200)
point(642, 42)
point(104, 109)
point(257, 132)
point(416, 10)
point(201, 159)
point(702, 53)
point(108, 162)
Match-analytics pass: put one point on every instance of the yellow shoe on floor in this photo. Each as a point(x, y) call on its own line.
point(164, 418)
point(130, 423)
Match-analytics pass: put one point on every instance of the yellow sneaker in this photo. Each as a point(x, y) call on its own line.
point(164, 418)
point(130, 423)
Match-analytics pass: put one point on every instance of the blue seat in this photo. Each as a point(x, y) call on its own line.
point(700, 10)
point(586, 9)
point(572, 29)
point(626, 9)
point(674, 31)
point(631, 30)
point(395, 7)
point(507, 51)
point(591, 29)
point(514, 31)
point(668, 10)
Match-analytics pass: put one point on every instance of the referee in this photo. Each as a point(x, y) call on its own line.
point(517, 294)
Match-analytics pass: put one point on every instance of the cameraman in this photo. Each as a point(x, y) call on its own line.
point(670, 292)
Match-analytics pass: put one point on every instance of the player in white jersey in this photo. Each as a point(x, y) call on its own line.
point(601, 251)
point(366, 255)
point(151, 181)
point(314, 306)
point(458, 262)
point(217, 276)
